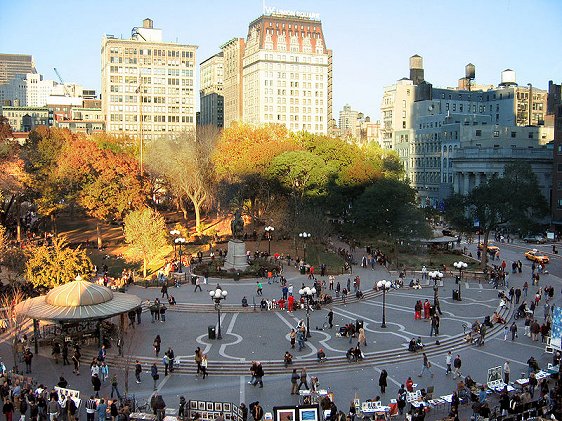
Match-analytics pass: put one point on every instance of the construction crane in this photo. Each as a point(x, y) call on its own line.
point(67, 92)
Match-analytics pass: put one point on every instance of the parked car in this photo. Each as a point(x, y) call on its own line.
point(535, 239)
point(536, 256)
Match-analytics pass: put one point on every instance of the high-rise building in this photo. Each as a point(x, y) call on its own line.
point(348, 120)
point(211, 91)
point(285, 73)
point(26, 90)
point(555, 114)
point(15, 64)
point(452, 139)
point(144, 70)
point(233, 54)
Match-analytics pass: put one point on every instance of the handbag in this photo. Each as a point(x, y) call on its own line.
point(156, 377)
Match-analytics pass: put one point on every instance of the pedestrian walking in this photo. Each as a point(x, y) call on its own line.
point(27, 358)
point(102, 410)
point(96, 384)
point(154, 374)
point(76, 361)
point(197, 284)
point(293, 338)
point(294, 381)
point(457, 364)
point(382, 381)
point(156, 345)
point(91, 406)
point(205, 364)
point(259, 288)
point(448, 362)
point(303, 379)
point(114, 387)
point(198, 357)
point(426, 366)
point(138, 371)
point(506, 372)
point(64, 352)
point(56, 352)
point(164, 291)
point(513, 329)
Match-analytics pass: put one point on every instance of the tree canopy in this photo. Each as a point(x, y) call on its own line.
point(58, 264)
point(145, 234)
point(512, 200)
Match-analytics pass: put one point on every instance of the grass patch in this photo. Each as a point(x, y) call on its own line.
point(316, 255)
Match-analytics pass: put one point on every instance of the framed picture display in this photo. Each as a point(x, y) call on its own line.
point(210, 406)
point(235, 410)
point(201, 405)
point(193, 405)
point(218, 406)
point(226, 406)
point(309, 413)
point(284, 413)
point(228, 416)
point(205, 415)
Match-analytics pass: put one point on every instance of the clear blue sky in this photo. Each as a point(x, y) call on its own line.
point(371, 40)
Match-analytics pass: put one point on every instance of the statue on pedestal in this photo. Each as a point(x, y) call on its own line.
point(237, 225)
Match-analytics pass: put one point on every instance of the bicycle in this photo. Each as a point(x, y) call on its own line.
point(325, 324)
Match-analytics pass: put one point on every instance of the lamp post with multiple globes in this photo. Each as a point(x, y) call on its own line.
point(385, 286)
point(269, 231)
point(217, 296)
point(307, 293)
point(174, 233)
point(179, 241)
point(460, 266)
point(304, 236)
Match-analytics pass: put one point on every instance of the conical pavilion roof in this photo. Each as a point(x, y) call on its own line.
point(77, 301)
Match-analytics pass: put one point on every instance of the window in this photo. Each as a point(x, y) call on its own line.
point(530, 135)
point(559, 203)
point(513, 134)
point(478, 133)
point(559, 167)
point(496, 133)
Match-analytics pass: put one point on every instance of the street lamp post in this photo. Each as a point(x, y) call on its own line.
point(460, 266)
point(384, 285)
point(217, 296)
point(269, 230)
point(304, 236)
point(180, 241)
point(175, 233)
point(308, 294)
point(436, 276)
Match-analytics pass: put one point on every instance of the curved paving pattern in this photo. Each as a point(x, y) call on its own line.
point(240, 366)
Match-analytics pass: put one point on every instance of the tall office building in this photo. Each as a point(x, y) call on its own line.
point(285, 73)
point(15, 64)
point(211, 91)
point(26, 90)
point(233, 54)
point(146, 70)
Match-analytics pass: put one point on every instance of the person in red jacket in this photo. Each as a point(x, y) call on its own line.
point(426, 309)
point(290, 302)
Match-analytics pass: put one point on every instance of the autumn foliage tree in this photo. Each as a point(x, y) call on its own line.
point(145, 234)
point(108, 183)
point(185, 163)
point(57, 264)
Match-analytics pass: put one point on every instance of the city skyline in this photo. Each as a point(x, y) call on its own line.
point(371, 41)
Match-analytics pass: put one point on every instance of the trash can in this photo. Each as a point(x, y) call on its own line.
point(358, 325)
point(212, 332)
point(455, 295)
point(303, 270)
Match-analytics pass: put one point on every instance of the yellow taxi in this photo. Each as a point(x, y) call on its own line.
point(491, 248)
point(536, 256)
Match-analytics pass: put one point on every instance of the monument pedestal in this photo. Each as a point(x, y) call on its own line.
point(236, 255)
